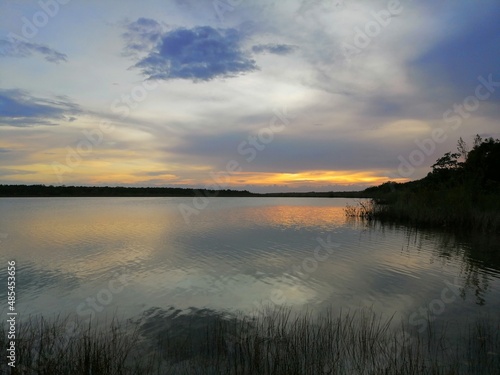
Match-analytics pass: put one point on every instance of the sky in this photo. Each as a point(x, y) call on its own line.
point(292, 95)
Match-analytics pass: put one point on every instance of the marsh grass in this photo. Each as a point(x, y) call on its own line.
point(275, 341)
point(452, 209)
point(363, 209)
point(63, 346)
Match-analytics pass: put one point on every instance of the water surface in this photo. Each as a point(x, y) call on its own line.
point(138, 257)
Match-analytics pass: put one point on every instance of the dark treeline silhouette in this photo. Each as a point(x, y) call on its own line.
point(118, 191)
point(461, 191)
point(312, 194)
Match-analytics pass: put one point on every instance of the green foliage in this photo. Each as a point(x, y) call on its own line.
point(462, 191)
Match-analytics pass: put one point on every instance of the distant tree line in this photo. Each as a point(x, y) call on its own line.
point(119, 191)
point(108, 191)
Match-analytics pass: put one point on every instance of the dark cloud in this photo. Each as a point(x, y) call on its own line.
point(277, 49)
point(19, 108)
point(462, 56)
point(18, 48)
point(198, 54)
point(12, 172)
point(286, 153)
point(142, 36)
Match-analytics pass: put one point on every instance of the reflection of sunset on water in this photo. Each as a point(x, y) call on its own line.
point(297, 216)
point(234, 254)
point(92, 235)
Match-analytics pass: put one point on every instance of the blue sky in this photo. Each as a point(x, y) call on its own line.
point(267, 96)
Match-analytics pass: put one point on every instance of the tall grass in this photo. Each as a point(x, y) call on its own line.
point(49, 347)
point(454, 209)
point(276, 341)
point(364, 209)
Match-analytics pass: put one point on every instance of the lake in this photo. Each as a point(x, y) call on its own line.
point(138, 258)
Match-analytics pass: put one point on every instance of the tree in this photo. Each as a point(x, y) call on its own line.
point(483, 162)
point(477, 141)
point(447, 162)
point(462, 148)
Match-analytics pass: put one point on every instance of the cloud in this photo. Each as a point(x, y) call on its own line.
point(198, 54)
point(141, 36)
point(22, 49)
point(18, 108)
point(277, 49)
point(14, 172)
point(468, 50)
point(288, 153)
point(309, 6)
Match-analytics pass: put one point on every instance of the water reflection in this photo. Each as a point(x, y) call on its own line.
point(480, 261)
point(238, 254)
point(476, 256)
point(292, 217)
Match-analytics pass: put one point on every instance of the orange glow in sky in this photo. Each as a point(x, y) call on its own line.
point(311, 177)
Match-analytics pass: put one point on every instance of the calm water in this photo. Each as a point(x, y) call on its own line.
point(137, 257)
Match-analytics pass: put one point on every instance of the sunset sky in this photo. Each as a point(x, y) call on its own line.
point(294, 95)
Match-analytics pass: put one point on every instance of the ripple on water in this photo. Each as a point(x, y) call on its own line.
point(235, 254)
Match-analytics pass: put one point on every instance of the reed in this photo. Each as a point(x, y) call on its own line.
point(364, 209)
point(276, 341)
point(434, 209)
